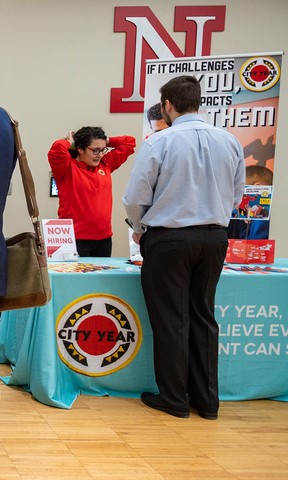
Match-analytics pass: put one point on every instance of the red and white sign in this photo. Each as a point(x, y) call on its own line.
point(59, 238)
point(250, 251)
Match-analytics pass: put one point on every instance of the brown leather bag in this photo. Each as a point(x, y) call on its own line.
point(28, 282)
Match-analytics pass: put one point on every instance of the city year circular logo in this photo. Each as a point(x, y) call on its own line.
point(98, 334)
point(260, 73)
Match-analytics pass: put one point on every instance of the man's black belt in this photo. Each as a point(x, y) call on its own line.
point(212, 226)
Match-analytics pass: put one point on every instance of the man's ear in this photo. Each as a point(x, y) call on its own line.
point(168, 106)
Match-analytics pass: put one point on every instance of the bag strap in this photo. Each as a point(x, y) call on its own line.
point(28, 184)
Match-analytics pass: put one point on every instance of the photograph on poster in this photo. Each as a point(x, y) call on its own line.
point(255, 204)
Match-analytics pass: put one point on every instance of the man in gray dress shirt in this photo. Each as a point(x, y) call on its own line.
point(185, 183)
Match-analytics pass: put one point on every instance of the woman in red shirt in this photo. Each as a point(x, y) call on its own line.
point(82, 164)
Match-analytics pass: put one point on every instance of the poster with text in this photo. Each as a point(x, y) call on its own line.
point(240, 93)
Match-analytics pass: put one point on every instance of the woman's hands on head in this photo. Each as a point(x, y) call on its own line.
point(70, 138)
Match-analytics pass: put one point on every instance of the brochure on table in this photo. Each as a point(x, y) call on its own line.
point(59, 239)
point(250, 251)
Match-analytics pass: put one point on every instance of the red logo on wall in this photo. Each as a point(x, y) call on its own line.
point(146, 38)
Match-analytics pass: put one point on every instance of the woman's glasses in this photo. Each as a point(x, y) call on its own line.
point(97, 151)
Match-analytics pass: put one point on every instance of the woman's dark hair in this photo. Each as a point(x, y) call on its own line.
point(183, 92)
point(84, 137)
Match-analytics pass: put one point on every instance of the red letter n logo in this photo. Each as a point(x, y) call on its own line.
point(146, 38)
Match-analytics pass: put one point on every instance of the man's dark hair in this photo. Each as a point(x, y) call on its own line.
point(84, 137)
point(183, 92)
point(154, 112)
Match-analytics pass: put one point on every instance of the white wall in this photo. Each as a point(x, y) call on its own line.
point(59, 61)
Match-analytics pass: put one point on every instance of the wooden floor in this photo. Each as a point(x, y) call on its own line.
point(120, 439)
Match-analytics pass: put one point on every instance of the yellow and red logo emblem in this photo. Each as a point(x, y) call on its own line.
point(260, 73)
point(98, 334)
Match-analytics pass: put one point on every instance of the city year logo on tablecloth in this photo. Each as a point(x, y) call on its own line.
point(259, 73)
point(98, 334)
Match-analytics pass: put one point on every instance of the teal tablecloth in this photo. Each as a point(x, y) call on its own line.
point(94, 337)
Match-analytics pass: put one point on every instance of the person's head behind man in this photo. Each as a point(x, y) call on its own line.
point(258, 175)
point(155, 119)
point(179, 96)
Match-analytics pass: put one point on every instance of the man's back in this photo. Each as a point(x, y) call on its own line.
point(199, 173)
